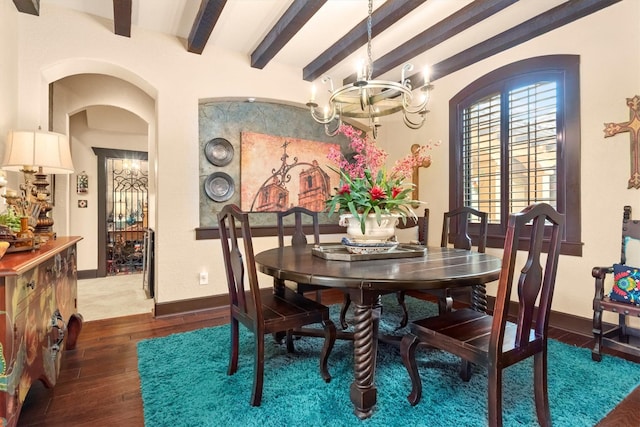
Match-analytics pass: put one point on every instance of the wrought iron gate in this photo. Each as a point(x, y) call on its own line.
point(127, 202)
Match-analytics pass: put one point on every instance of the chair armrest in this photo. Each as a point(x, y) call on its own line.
point(601, 272)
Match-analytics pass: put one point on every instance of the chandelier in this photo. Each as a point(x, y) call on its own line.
point(370, 99)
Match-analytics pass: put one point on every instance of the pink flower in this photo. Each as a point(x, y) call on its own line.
point(395, 191)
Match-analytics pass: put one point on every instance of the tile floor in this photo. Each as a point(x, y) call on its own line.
point(113, 296)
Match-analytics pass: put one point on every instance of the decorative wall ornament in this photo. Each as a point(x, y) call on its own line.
point(633, 127)
point(82, 183)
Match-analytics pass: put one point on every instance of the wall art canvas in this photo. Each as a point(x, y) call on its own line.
point(279, 172)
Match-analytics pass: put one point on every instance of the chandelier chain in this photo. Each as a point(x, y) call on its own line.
point(369, 72)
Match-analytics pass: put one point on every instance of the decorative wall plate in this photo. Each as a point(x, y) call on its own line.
point(219, 151)
point(219, 187)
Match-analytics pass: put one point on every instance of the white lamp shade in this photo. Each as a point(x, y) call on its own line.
point(48, 150)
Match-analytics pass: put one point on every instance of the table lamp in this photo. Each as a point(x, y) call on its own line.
point(36, 154)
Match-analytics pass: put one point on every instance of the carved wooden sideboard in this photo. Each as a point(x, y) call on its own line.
point(39, 317)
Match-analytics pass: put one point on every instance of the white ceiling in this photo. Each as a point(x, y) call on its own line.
point(244, 23)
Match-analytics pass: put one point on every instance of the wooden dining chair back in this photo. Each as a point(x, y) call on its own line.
point(299, 238)
point(262, 312)
point(462, 240)
point(493, 341)
point(623, 298)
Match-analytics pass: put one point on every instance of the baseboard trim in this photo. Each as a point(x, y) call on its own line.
point(566, 322)
point(87, 274)
point(196, 304)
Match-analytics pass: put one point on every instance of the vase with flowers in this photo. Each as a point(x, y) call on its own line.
point(369, 196)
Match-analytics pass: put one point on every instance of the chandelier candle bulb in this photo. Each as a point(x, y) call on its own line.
point(313, 93)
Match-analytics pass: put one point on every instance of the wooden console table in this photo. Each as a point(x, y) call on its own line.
point(38, 303)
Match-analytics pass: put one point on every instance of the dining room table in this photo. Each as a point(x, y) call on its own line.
point(365, 279)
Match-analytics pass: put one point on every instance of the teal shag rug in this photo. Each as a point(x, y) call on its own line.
point(184, 382)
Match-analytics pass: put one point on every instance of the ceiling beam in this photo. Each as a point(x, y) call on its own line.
point(122, 17)
point(32, 7)
point(450, 26)
point(206, 19)
point(287, 26)
point(381, 19)
point(454, 24)
point(554, 18)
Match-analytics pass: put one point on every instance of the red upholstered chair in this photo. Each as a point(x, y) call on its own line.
point(260, 312)
point(493, 341)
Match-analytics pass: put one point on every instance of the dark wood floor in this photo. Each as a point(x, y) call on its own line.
point(99, 384)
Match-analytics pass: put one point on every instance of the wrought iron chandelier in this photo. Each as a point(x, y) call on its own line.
point(370, 99)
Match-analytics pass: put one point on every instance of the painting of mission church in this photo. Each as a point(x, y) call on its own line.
point(277, 173)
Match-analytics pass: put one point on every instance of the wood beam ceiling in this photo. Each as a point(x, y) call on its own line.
point(32, 7)
point(381, 19)
point(206, 19)
point(450, 26)
point(287, 26)
point(122, 17)
point(554, 18)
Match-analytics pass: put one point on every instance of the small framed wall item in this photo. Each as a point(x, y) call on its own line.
point(82, 183)
point(82, 203)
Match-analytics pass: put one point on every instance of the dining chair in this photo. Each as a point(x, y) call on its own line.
point(623, 297)
point(461, 240)
point(491, 340)
point(263, 312)
point(299, 239)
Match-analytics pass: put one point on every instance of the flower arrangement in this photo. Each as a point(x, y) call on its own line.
point(366, 186)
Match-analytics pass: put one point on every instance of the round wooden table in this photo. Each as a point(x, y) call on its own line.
point(365, 281)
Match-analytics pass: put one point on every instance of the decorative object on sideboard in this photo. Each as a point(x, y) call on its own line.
point(633, 127)
point(82, 183)
point(36, 154)
point(371, 99)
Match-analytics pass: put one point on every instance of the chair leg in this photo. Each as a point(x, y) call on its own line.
point(343, 311)
point(258, 371)
point(596, 354)
point(405, 314)
point(329, 341)
point(408, 347)
point(465, 370)
point(540, 388)
point(495, 397)
point(235, 338)
point(445, 302)
point(290, 347)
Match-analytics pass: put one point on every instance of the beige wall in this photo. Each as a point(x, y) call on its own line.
point(176, 79)
point(8, 72)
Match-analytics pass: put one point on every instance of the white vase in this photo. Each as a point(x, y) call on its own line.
point(373, 232)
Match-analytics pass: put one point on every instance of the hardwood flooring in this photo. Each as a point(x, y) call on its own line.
point(99, 385)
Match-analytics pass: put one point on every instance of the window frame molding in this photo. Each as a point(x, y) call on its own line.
point(569, 195)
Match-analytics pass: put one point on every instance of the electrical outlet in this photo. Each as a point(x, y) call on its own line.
point(204, 278)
